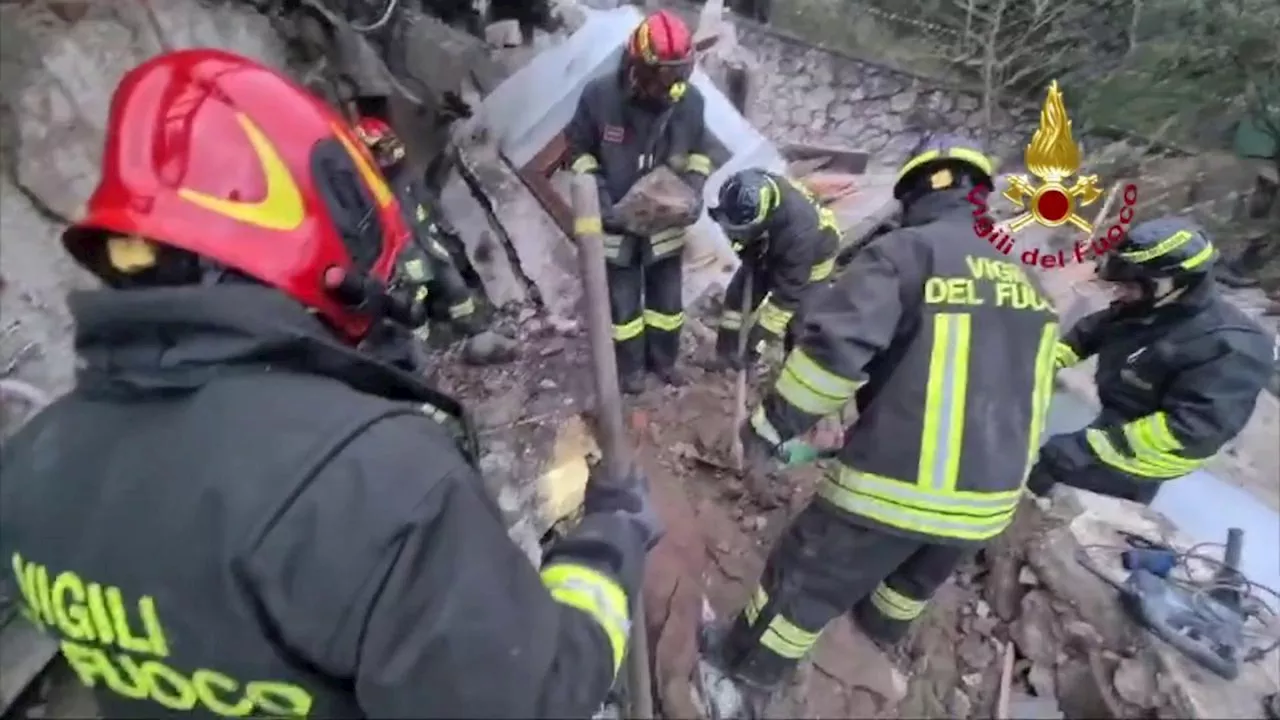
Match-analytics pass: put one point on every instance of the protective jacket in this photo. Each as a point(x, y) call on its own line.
point(796, 253)
point(427, 263)
point(1176, 384)
point(234, 515)
point(947, 349)
point(620, 140)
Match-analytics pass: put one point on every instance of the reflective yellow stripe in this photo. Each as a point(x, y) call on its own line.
point(1154, 465)
point(944, 408)
point(421, 294)
point(421, 214)
point(1043, 391)
point(973, 156)
point(663, 321)
point(596, 595)
point(462, 309)
point(822, 270)
point(585, 163)
point(1199, 258)
point(1151, 434)
point(434, 413)
point(612, 246)
point(667, 241)
point(1064, 356)
point(416, 269)
point(773, 318)
point(958, 514)
point(698, 163)
point(894, 605)
point(628, 330)
point(764, 428)
point(1164, 247)
point(730, 320)
point(807, 386)
point(782, 636)
point(587, 226)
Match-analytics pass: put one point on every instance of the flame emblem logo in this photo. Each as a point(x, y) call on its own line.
point(1053, 157)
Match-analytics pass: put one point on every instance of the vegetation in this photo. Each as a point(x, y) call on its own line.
point(1188, 71)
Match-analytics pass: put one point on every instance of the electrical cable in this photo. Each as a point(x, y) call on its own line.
point(1252, 604)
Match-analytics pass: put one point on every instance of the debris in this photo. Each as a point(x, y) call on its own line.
point(504, 34)
point(489, 348)
point(658, 201)
point(1135, 682)
point(1026, 707)
point(1006, 676)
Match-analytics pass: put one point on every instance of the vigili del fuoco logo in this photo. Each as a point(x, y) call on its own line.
point(1053, 157)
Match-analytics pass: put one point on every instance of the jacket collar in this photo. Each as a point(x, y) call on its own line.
point(935, 206)
point(177, 339)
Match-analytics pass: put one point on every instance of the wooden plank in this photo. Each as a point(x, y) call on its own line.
point(537, 175)
point(841, 159)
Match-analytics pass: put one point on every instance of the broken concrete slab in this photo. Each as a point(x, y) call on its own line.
point(538, 249)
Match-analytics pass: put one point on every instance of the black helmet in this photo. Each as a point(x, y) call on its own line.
point(744, 202)
point(1164, 248)
point(938, 152)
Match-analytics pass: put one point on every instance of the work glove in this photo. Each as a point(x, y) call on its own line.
point(1056, 459)
point(453, 107)
point(627, 498)
point(609, 218)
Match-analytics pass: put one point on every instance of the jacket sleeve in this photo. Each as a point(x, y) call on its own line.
point(1082, 340)
point(789, 275)
point(731, 315)
point(583, 136)
point(845, 327)
point(1204, 408)
point(447, 284)
point(694, 160)
point(394, 572)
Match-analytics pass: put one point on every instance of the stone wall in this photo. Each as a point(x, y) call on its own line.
point(809, 94)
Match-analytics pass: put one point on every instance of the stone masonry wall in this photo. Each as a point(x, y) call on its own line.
point(807, 94)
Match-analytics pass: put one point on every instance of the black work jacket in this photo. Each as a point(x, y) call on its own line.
point(946, 347)
point(1192, 370)
point(234, 514)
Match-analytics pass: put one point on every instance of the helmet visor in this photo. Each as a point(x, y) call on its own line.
point(657, 79)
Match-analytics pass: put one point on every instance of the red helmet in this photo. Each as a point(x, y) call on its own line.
point(659, 57)
point(278, 186)
point(381, 140)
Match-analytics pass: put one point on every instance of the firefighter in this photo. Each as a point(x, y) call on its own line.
point(427, 263)
point(229, 515)
point(628, 123)
point(946, 349)
point(1179, 368)
point(788, 244)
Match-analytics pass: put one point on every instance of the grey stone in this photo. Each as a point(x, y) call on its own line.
point(658, 201)
point(490, 348)
point(1135, 682)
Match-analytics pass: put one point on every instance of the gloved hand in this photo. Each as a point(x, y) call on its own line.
point(453, 107)
point(628, 498)
point(1055, 459)
point(796, 452)
point(609, 219)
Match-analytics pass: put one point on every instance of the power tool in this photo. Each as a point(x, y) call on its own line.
point(1205, 624)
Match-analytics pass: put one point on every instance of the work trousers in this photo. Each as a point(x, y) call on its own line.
point(824, 566)
point(647, 305)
